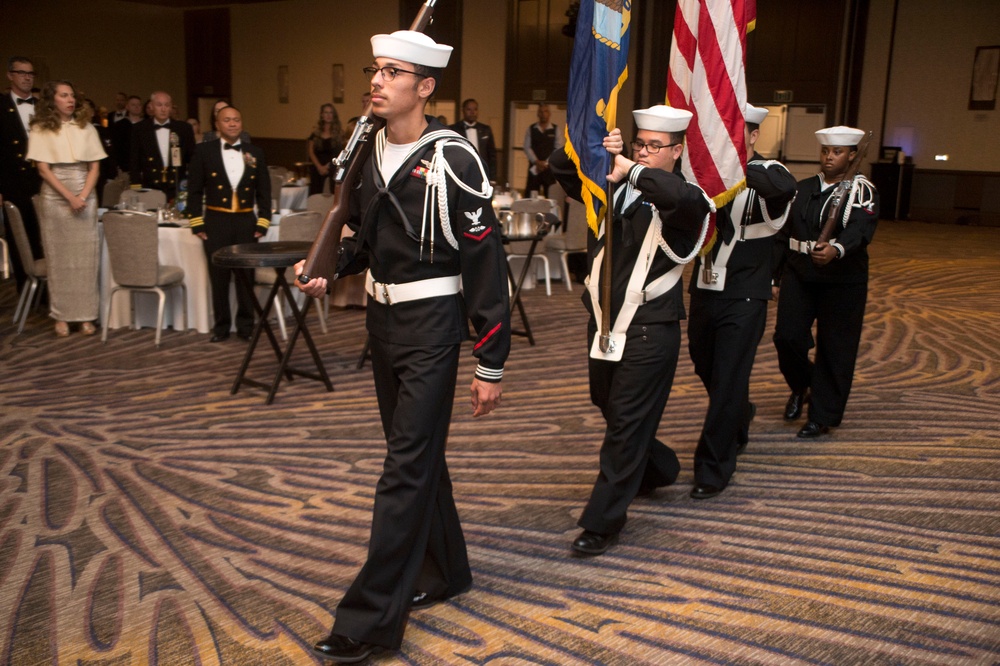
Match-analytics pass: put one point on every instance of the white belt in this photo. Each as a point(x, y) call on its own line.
point(390, 294)
point(805, 247)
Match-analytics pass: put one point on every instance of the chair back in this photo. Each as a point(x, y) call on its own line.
point(319, 203)
point(558, 194)
point(280, 171)
point(21, 241)
point(575, 227)
point(276, 183)
point(112, 193)
point(303, 226)
point(133, 246)
point(151, 199)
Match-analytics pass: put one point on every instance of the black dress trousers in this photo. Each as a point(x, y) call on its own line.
point(723, 334)
point(838, 309)
point(632, 394)
point(416, 540)
point(223, 230)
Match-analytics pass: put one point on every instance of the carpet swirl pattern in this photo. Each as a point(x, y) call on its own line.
point(147, 516)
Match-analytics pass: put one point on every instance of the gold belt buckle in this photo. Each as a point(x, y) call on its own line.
point(385, 294)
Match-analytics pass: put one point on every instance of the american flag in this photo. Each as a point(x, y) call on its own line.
point(707, 77)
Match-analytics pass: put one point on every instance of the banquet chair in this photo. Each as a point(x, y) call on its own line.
point(133, 252)
point(151, 199)
point(302, 226)
point(277, 182)
point(518, 249)
point(279, 171)
point(572, 239)
point(35, 269)
point(320, 203)
point(112, 193)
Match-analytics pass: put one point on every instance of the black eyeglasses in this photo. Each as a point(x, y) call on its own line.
point(651, 148)
point(389, 73)
point(21, 72)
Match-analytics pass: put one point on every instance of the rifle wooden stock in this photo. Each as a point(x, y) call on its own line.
point(839, 195)
point(323, 256)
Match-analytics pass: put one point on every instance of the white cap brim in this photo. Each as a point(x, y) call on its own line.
point(839, 136)
point(754, 114)
point(411, 46)
point(662, 118)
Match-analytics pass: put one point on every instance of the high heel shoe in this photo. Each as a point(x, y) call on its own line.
point(62, 329)
point(87, 328)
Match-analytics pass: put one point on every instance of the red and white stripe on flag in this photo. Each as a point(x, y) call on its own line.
point(707, 77)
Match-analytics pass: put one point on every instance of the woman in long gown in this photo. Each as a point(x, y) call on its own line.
point(322, 146)
point(67, 151)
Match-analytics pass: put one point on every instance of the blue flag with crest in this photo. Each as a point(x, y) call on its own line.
point(597, 72)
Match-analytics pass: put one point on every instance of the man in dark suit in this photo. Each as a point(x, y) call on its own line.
point(227, 177)
point(19, 180)
point(480, 135)
point(121, 132)
point(121, 110)
point(161, 148)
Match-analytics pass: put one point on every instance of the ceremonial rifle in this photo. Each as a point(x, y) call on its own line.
point(323, 256)
point(840, 194)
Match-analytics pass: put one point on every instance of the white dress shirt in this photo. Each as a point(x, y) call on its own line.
point(233, 161)
point(26, 111)
point(163, 140)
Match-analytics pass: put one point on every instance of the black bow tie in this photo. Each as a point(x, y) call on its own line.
point(234, 146)
point(29, 100)
point(159, 127)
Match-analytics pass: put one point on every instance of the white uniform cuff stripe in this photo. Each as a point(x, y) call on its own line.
point(633, 174)
point(489, 374)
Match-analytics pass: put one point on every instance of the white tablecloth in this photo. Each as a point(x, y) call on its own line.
point(293, 198)
point(178, 247)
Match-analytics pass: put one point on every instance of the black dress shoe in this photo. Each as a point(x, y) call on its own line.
point(811, 430)
point(243, 336)
point(793, 408)
point(705, 491)
point(423, 600)
point(343, 650)
point(219, 337)
point(592, 543)
point(645, 491)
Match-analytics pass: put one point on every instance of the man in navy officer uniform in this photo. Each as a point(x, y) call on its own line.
point(427, 233)
point(659, 225)
point(160, 148)
point(19, 179)
point(825, 283)
point(227, 179)
point(730, 288)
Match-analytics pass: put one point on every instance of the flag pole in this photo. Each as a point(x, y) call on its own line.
point(604, 342)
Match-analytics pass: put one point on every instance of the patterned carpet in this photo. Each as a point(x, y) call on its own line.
point(147, 516)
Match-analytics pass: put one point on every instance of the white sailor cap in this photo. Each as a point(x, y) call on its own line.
point(411, 46)
point(661, 118)
point(839, 136)
point(754, 114)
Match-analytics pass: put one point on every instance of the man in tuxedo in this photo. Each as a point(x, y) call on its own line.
point(19, 180)
point(160, 148)
point(226, 178)
point(121, 132)
point(480, 135)
point(120, 112)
